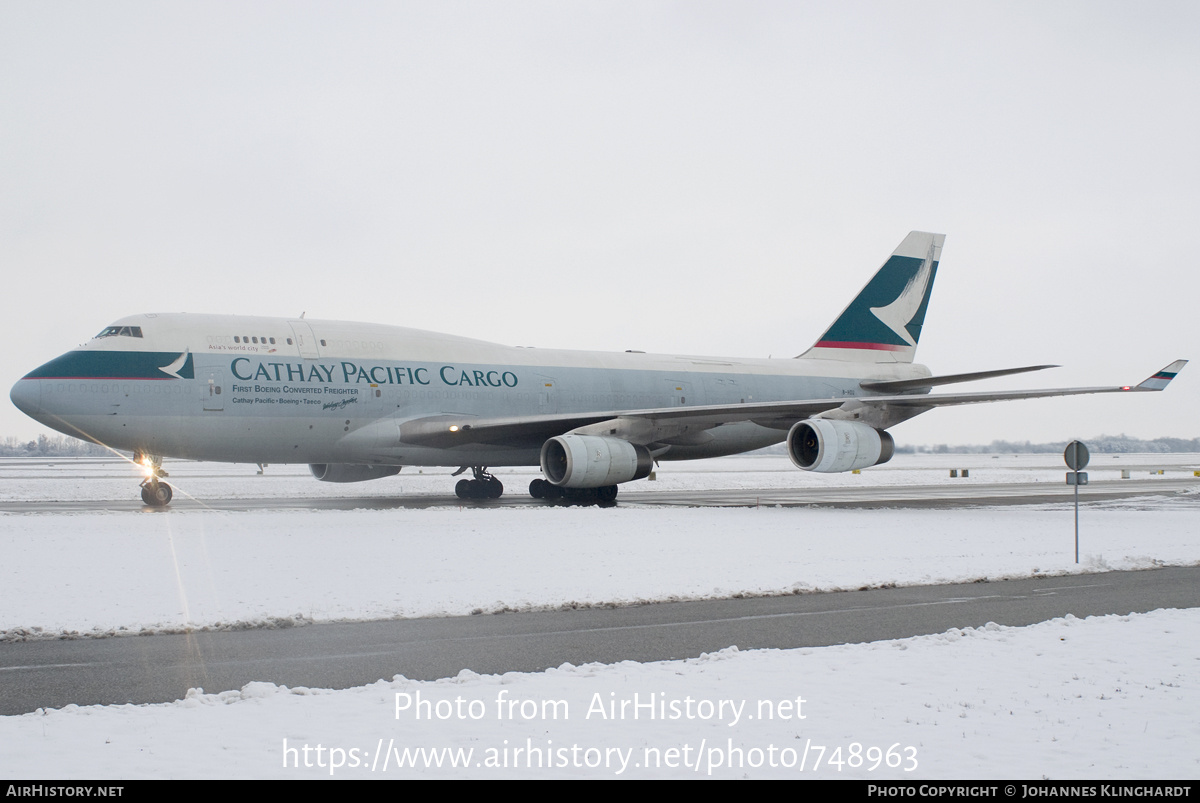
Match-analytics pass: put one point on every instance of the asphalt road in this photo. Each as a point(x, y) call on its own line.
point(144, 669)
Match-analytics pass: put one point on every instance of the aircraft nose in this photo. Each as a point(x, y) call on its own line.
point(27, 396)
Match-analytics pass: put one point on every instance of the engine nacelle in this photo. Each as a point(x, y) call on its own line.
point(350, 472)
point(827, 446)
point(592, 461)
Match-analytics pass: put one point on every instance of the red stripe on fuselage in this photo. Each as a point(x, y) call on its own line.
point(834, 344)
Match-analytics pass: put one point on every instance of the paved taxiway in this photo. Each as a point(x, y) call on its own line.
point(110, 484)
point(941, 495)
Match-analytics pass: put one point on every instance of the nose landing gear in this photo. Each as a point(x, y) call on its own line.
point(155, 492)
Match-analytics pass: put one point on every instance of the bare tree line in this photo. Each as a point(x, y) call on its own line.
point(67, 446)
point(1101, 444)
point(51, 446)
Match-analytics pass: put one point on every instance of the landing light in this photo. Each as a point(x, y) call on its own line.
point(454, 428)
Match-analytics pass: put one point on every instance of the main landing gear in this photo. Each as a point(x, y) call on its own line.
point(484, 486)
point(604, 495)
point(155, 492)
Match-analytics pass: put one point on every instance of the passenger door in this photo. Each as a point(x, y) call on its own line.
point(212, 390)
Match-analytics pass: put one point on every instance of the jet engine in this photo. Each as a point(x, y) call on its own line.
point(592, 461)
point(350, 472)
point(827, 446)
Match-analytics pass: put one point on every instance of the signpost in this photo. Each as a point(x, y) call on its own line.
point(1077, 457)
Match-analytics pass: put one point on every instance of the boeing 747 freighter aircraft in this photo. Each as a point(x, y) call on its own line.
point(358, 401)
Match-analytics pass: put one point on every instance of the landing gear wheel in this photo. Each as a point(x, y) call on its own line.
point(490, 488)
point(581, 496)
point(606, 494)
point(156, 494)
point(537, 488)
point(484, 486)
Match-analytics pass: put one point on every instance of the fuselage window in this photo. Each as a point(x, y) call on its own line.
point(237, 339)
point(272, 341)
point(322, 341)
point(289, 341)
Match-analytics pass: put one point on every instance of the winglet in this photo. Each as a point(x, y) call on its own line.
point(1161, 379)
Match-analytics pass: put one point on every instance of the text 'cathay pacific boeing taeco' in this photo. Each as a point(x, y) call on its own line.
point(359, 401)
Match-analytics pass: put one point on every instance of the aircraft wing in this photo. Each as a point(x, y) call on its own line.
point(446, 431)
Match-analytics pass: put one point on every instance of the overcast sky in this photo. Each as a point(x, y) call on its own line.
point(702, 178)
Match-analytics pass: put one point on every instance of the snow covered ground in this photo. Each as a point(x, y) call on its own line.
point(1103, 698)
point(1107, 698)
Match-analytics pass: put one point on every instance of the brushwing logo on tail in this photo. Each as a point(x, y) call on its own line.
point(897, 315)
point(883, 322)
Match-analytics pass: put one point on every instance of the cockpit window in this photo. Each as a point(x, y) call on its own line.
point(120, 331)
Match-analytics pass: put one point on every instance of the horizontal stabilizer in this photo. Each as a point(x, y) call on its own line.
point(923, 383)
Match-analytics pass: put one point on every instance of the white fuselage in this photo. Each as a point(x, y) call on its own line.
point(273, 390)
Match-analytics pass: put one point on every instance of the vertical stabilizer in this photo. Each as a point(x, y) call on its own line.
point(883, 322)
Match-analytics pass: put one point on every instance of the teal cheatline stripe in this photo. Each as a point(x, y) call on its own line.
point(187, 371)
point(112, 365)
